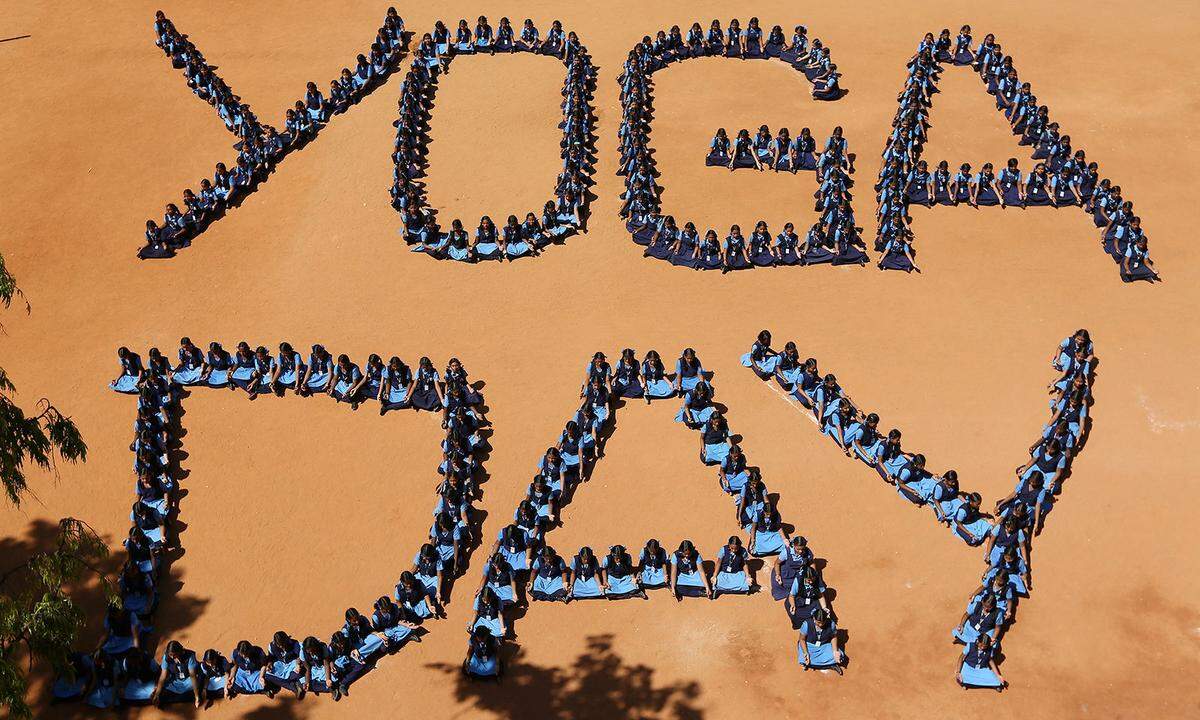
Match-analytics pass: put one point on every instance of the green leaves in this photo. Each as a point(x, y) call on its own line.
point(37, 440)
point(38, 619)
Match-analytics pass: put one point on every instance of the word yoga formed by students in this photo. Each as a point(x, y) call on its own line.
point(1061, 177)
point(523, 568)
point(522, 236)
point(832, 239)
point(122, 672)
point(1006, 537)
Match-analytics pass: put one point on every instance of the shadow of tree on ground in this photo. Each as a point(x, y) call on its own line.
point(599, 685)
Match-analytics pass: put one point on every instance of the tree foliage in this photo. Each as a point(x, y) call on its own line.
point(38, 619)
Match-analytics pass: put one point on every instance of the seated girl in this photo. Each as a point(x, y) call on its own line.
point(416, 602)
point(978, 668)
point(743, 154)
point(733, 572)
point(688, 576)
point(654, 567)
point(786, 246)
point(825, 85)
point(818, 646)
point(264, 372)
point(429, 568)
point(734, 251)
point(762, 358)
point(548, 577)
point(815, 250)
point(249, 671)
point(346, 377)
point(132, 372)
point(388, 620)
point(318, 374)
point(483, 655)
point(627, 376)
point(767, 536)
point(178, 680)
point(488, 614)
point(898, 254)
point(283, 664)
point(513, 239)
point(714, 439)
point(487, 241)
point(654, 378)
point(762, 252)
point(397, 386)
point(688, 372)
point(426, 391)
point(620, 578)
point(984, 186)
point(733, 472)
point(718, 150)
point(586, 575)
point(140, 673)
point(970, 523)
point(505, 37)
point(191, 364)
point(1136, 263)
point(762, 147)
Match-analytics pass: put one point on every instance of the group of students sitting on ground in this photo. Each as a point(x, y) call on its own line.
point(519, 237)
point(522, 559)
point(261, 146)
point(123, 670)
point(1006, 535)
point(834, 239)
point(1061, 176)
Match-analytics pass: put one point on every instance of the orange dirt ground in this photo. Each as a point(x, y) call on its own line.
point(99, 132)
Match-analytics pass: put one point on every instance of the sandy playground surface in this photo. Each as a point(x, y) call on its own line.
point(99, 132)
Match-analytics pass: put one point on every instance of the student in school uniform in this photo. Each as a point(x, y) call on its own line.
point(791, 561)
point(762, 358)
point(715, 440)
point(688, 576)
point(586, 575)
point(191, 364)
point(970, 523)
point(787, 245)
point(718, 150)
point(826, 85)
point(483, 655)
point(549, 577)
point(654, 378)
point(397, 386)
point(654, 566)
point(284, 670)
point(415, 600)
point(317, 661)
point(133, 373)
point(978, 668)
point(318, 373)
point(489, 614)
point(346, 378)
point(249, 672)
point(734, 252)
point(689, 371)
point(761, 251)
point(178, 680)
point(767, 537)
point(819, 646)
point(743, 154)
point(733, 574)
point(388, 619)
point(620, 577)
point(426, 391)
